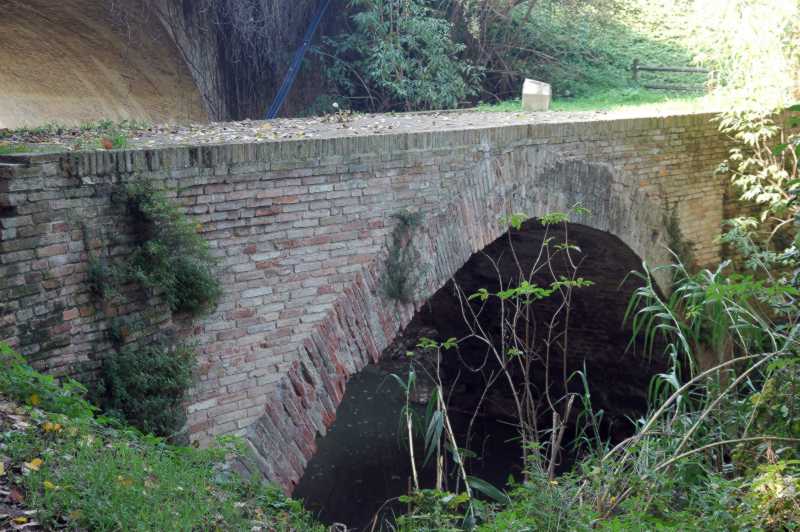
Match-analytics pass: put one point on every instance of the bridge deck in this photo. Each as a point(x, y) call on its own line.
point(339, 125)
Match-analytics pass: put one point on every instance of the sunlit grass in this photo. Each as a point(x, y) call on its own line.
point(615, 100)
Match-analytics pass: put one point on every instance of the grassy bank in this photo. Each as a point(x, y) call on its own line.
point(81, 471)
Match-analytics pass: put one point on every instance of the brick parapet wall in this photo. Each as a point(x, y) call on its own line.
point(301, 229)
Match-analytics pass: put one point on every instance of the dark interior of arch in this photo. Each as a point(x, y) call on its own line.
point(361, 463)
point(598, 340)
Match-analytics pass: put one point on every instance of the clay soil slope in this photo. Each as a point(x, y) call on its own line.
point(73, 61)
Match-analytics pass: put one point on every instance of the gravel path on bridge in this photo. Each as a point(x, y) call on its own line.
point(328, 126)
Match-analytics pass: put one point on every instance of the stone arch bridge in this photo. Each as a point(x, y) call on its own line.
point(301, 229)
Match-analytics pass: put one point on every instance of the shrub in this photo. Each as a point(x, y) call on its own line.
point(400, 56)
point(146, 385)
point(172, 256)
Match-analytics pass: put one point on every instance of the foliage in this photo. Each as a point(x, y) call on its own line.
point(147, 384)
point(539, 503)
point(580, 48)
point(583, 49)
point(145, 380)
point(20, 382)
point(719, 447)
point(467, 50)
point(172, 256)
point(752, 45)
point(763, 167)
point(400, 55)
point(83, 473)
point(433, 511)
point(400, 279)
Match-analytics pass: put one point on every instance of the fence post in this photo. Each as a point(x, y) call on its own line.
point(635, 70)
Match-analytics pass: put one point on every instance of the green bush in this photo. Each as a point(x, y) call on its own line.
point(146, 385)
point(172, 256)
point(400, 56)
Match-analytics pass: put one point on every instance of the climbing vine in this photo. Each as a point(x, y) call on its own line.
point(172, 256)
point(146, 377)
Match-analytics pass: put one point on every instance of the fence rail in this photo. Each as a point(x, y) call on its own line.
point(637, 67)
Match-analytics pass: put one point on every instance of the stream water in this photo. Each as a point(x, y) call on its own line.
point(362, 462)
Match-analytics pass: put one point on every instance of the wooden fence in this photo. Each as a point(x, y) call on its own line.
point(637, 67)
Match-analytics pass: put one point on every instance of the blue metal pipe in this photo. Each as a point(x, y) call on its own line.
point(297, 61)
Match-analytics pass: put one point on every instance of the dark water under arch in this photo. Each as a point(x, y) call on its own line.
point(362, 462)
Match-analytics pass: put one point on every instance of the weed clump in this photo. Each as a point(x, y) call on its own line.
point(145, 378)
point(146, 385)
point(172, 256)
point(400, 279)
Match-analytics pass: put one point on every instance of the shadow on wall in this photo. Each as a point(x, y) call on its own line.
point(75, 61)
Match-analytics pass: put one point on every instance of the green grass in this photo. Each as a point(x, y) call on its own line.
point(612, 100)
point(100, 135)
point(15, 149)
point(82, 472)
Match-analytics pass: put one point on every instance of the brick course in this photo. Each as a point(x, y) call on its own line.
point(301, 229)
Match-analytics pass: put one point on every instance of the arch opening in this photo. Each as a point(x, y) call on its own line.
point(363, 460)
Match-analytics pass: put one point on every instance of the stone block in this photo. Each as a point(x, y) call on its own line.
point(535, 95)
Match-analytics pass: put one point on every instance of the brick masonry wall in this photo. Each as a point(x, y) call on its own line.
point(301, 230)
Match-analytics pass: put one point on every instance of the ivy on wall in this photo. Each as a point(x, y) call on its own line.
point(145, 378)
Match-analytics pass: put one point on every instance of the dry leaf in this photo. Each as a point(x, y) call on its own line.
point(106, 143)
point(34, 464)
point(16, 496)
point(52, 427)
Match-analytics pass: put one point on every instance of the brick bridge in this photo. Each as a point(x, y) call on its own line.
point(301, 228)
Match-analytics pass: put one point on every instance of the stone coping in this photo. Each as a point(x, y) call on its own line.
point(414, 131)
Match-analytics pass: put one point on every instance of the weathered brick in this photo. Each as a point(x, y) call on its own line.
point(301, 234)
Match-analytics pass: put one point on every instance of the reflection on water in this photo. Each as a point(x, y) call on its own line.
point(361, 463)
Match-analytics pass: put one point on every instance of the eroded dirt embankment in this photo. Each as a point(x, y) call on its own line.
point(73, 61)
